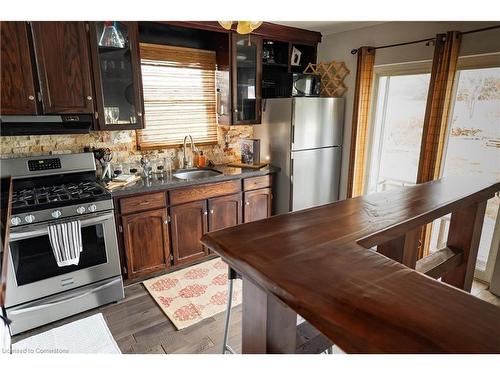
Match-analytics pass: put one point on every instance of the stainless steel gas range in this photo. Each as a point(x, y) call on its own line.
point(48, 190)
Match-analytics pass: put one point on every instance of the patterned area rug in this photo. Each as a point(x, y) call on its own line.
point(195, 293)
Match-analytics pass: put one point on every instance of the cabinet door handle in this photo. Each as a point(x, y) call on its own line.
point(247, 203)
point(31, 97)
point(205, 213)
point(139, 114)
point(211, 212)
point(89, 98)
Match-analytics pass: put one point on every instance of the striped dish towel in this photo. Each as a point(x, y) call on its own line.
point(66, 241)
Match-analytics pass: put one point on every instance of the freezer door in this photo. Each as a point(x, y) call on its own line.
point(315, 177)
point(317, 122)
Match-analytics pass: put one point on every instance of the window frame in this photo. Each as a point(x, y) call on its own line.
point(141, 146)
point(485, 61)
point(387, 70)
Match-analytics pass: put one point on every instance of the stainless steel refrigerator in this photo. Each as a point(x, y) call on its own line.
point(303, 136)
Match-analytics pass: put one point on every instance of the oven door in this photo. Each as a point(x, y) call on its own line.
point(34, 273)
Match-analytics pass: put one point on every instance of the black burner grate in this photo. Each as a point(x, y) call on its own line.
point(66, 193)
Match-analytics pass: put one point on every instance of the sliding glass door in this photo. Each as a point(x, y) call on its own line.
point(472, 144)
point(396, 132)
point(473, 150)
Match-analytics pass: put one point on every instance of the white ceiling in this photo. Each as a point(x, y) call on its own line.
point(329, 27)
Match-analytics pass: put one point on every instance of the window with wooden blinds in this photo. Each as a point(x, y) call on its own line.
point(179, 96)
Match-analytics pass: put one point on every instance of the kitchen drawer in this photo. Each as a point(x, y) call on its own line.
point(256, 182)
point(142, 203)
point(200, 192)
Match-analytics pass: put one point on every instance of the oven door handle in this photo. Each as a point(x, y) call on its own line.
point(14, 236)
point(52, 304)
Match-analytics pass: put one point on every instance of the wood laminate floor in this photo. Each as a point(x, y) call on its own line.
point(140, 326)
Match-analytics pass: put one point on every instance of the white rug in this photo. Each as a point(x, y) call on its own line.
point(85, 336)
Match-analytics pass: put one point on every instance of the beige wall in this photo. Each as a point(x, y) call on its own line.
point(338, 47)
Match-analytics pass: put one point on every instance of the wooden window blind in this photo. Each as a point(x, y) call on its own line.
point(179, 96)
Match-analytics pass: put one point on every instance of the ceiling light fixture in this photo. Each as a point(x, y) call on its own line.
point(244, 27)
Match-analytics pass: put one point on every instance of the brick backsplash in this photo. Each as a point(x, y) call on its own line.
point(122, 143)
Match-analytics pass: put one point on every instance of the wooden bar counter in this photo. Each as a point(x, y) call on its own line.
point(322, 263)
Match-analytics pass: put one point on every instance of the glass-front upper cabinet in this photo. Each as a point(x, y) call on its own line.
point(117, 77)
point(247, 79)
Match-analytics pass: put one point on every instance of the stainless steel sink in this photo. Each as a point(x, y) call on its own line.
point(192, 174)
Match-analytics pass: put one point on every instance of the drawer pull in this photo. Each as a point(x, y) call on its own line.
point(144, 202)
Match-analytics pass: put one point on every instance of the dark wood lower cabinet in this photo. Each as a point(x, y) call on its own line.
point(257, 204)
point(147, 243)
point(224, 211)
point(188, 223)
point(163, 229)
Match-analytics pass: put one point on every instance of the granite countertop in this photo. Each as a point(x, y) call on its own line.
point(158, 184)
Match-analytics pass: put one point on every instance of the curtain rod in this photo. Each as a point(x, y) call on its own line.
point(483, 29)
point(355, 50)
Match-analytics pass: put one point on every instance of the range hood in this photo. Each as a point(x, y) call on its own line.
point(40, 125)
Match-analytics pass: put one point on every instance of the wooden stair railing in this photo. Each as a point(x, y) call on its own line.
point(319, 263)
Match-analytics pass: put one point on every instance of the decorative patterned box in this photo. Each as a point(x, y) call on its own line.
point(250, 151)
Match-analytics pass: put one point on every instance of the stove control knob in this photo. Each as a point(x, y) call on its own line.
point(56, 214)
point(92, 208)
point(80, 210)
point(29, 218)
point(15, 220)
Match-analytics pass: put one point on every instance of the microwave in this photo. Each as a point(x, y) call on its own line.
point(304, 84)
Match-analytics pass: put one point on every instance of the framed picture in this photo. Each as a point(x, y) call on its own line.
point(250, 151)
point(295, 57)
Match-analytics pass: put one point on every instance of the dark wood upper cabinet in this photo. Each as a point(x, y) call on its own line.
point(246, 78)
point(62, 55)
point(224, 211)
point(117, 75)
point(258, 204)
point(18, 92)
point(188, 224)
point(146, 242)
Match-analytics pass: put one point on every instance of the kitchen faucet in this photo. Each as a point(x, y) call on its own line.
point(146, 167)
point(185, 163)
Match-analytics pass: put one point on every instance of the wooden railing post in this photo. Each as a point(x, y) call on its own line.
point(403, 249)
point(465, 232)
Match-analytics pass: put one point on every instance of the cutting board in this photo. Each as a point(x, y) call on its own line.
point(251, 166)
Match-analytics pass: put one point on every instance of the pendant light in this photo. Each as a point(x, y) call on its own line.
point(243, 27)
